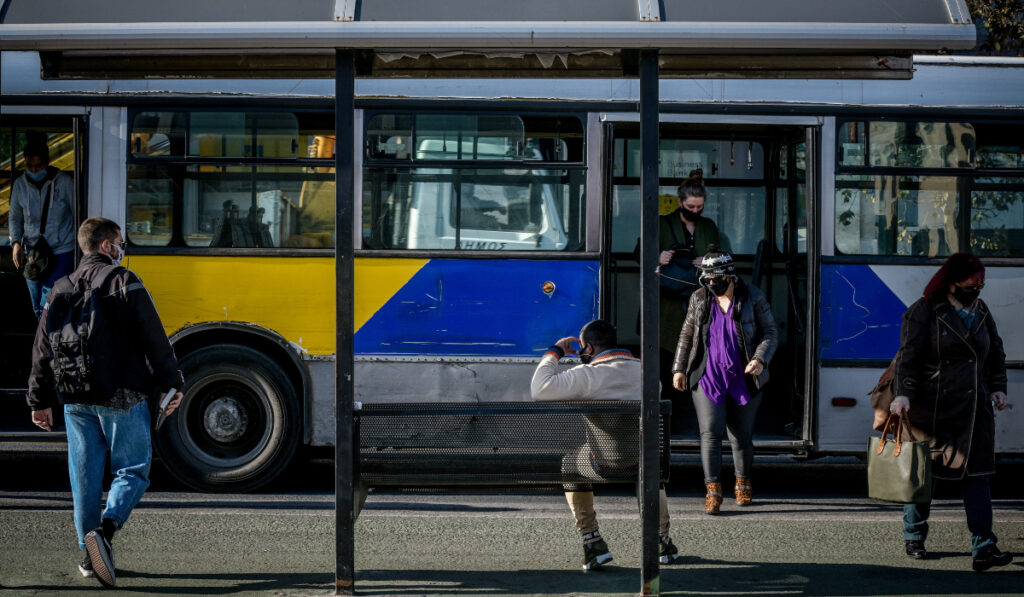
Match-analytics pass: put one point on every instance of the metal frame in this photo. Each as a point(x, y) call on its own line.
point(530, 37)
point(595, 181)
point(649, 299)
point(344, 449)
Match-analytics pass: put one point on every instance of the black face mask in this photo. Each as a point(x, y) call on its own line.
point(966, 297)
point(690, 216)
point(718, 286)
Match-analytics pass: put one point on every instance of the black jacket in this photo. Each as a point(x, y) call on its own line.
point(146, 359)
point(949, 372)
point(758, 335)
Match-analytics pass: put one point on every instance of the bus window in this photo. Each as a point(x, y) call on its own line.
point(158, 134)
point(445, 200)
point(197, 200)
point(997, 217)
point(511, 210)
point(907, 144)
point(897, 215)
point(883, 211)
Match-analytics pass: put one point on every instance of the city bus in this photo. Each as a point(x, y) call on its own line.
point(496, 216)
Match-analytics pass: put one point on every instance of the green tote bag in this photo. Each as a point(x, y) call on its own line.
point(899, 471)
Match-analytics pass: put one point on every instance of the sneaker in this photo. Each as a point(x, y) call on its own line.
point(86, 567)
point(669, 553)
point(101, 554)
point(595, 552)
point(990, 556)
point(916, 550)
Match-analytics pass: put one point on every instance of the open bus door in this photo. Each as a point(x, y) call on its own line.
point(17, 319)
point(758, 189)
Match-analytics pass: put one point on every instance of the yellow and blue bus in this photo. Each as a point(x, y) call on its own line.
point(499, 215)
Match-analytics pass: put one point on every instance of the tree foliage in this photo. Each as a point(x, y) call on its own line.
point(1001, 26)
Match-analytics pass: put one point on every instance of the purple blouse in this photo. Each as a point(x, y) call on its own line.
point(723, 374)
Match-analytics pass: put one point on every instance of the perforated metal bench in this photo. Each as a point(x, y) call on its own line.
point(572, 444)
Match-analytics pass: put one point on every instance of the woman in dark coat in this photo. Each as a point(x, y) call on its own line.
point(950, 375)
point(728, 339)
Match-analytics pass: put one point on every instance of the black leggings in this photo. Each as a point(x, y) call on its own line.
point(714, 421)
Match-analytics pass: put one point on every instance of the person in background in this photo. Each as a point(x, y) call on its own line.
point(950, 376)
point(722, 357)
point(42, 188)
point(605, 373)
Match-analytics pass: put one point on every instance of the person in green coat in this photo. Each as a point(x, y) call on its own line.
point(684, 234)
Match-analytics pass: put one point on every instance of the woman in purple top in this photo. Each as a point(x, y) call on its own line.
point(728, 339)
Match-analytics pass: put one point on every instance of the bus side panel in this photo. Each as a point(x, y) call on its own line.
point(454, 307)
point(861, 311)
point(488, 308)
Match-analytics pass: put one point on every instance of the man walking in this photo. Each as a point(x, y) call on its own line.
point(606, 373)
point(101, 352)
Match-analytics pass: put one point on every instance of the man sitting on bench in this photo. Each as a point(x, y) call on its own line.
point(606, 373)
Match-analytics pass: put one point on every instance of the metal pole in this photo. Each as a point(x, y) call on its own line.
point(344, 450)
point(649, 462)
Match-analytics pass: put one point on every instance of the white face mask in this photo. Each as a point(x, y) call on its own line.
point(120, 254)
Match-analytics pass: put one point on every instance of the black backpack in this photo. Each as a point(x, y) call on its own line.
point(81, 327)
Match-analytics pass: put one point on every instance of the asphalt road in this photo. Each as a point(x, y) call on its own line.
point(810, 532)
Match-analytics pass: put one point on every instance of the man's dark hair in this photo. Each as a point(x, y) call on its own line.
point(94, 231)
point(599, 333)
point(37, 148)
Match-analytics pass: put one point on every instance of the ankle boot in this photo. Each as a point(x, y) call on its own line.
point(744, 491)
point(713, 498)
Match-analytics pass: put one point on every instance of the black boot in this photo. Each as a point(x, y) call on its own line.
point(916, 550)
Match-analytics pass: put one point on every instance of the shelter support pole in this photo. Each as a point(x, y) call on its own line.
point(649, 461)
point(344, 275)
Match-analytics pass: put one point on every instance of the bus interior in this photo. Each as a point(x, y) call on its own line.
point(756, 181)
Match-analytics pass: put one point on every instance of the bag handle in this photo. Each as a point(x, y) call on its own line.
point(897, 435)
point(46, 208)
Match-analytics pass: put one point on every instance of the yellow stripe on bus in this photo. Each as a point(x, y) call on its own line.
point(293, 296)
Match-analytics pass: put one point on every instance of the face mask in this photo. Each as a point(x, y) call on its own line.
point(36, 176)
point(690, 216)
point(586, 358)
point(966, 297)
point(120, 254)
point(719, 286)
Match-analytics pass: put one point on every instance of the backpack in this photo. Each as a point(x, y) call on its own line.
point(80, 327)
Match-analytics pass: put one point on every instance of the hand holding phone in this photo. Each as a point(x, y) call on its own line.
point(168, 404)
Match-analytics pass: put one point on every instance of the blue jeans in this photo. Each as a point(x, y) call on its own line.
point(38, 290)
point(93, 431)
point(977, 504)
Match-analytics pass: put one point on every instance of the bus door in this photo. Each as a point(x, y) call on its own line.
point(61, 135)
point(756, 180)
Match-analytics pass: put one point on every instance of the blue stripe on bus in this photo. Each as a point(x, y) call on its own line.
point(484, 308)
point(860, 315)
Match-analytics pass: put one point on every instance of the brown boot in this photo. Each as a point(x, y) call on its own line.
point(744, 491)
point(713, 498)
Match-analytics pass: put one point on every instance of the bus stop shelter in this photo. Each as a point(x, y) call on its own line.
point(349, 39)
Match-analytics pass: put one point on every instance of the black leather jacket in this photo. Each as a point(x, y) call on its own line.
point(754, 321)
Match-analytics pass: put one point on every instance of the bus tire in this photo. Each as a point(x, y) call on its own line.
point(238, 424)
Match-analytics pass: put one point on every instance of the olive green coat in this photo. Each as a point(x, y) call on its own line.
point(673, 307)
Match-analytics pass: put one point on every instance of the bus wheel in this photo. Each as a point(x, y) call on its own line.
point(238, 425)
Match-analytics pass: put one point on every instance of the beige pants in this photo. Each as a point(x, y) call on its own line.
point(582, 505)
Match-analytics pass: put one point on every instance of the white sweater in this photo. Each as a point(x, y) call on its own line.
point(612, 375)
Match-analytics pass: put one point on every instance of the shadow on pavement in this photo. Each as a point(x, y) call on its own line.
point(702, 577)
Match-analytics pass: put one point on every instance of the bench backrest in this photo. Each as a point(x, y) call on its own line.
point(503, 443)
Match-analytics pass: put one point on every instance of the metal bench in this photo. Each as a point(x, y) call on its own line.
point(566, 444)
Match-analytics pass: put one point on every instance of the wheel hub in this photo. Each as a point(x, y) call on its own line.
point(225, 420)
